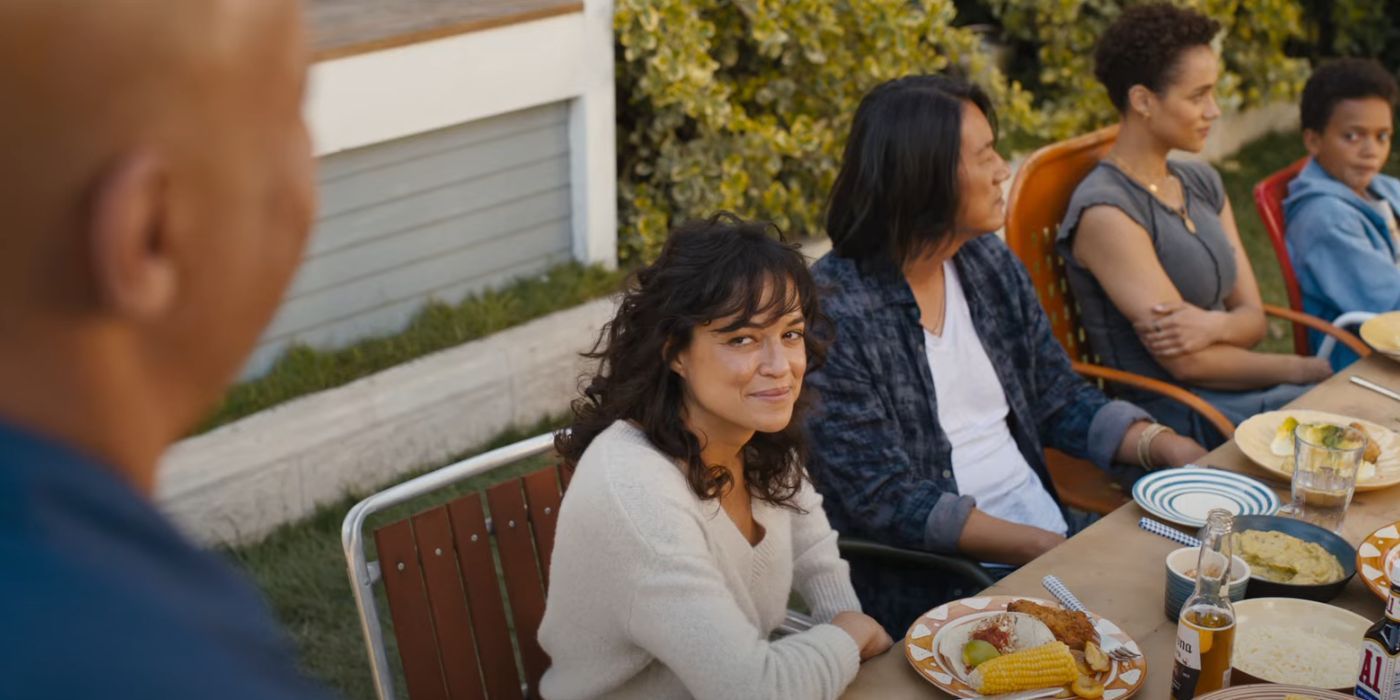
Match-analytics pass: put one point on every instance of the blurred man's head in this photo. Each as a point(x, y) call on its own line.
point(155, 189)
point(1348, 116)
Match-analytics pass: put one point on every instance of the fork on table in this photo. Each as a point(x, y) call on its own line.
point(1112, 647)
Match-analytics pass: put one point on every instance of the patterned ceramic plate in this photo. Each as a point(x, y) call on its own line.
point(1184, 496)
point(1254, 435)
point(1271, 691)
point(1121, 681)
point(1376, 556)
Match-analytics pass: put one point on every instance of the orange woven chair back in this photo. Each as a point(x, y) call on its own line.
point(1039, 198)
point(1268, 199)
point(451, 622)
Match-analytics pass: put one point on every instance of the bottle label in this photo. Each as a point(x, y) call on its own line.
point(1202, 659)
point(1186, 673)
point(1392, 606)
point(1379, 678)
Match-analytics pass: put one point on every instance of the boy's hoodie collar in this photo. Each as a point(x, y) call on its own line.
point(1314, 181)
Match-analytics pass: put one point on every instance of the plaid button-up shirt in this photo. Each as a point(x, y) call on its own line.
point(879, 457)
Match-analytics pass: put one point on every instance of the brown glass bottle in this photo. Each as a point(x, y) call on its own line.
point(1205, 632)
point(1379, 677)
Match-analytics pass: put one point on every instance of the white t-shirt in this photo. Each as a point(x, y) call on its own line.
point(972, 411)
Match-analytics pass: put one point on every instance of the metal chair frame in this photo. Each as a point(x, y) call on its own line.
point(365, 574)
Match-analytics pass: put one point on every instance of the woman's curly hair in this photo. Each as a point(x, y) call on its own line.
point(708, 270)
point(1142, 46)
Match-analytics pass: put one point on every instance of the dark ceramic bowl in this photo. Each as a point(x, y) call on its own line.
point(1307, 532)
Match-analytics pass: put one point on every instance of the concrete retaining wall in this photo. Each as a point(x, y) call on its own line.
point(237, 483)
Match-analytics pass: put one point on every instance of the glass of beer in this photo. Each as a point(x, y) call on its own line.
point(1325, 461)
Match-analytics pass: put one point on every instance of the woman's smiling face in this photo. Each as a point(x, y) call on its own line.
point(744, 375)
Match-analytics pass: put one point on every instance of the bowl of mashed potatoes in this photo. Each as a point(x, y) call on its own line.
point(1292, 559)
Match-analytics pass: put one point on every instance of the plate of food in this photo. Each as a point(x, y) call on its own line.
point(1186, 495)
point(1010, 645)
point(1267, 439)
point(1382, 332)
point(1376, 557)
point(1273, 691)
point(1297, 642)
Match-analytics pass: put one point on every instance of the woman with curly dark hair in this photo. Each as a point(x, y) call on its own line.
point(689, 519)
point(1153, 254)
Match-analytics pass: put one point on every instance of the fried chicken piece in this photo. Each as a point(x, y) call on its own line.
point(1072, 628)
point(1373, 448)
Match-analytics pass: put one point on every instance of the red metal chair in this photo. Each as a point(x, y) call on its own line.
point(1268, 199)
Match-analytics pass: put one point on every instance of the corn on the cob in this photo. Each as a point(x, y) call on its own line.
point(1042, 667)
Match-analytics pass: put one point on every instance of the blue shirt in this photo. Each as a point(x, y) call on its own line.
point(879, 457)
point(100, 597)
point(1341, 247)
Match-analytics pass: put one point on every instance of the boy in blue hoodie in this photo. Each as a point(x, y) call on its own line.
point(1341, 211)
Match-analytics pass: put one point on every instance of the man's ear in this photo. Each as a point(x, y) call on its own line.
point(128, 241)
point(1312, 141)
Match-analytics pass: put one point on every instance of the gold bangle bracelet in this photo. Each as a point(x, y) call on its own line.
point(1144, 446)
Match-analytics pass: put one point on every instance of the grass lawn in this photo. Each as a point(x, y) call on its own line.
point(1241, 172)
point(300, 567)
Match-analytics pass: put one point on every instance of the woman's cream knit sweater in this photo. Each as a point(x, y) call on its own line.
point(656, 594)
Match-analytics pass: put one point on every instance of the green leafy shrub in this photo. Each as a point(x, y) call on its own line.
point(1055, 41)
point(1354, 28)
point(744, 104)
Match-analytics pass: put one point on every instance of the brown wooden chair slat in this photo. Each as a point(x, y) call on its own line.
point(413, 617)
point(565, 473)
point(488, 612)
point(456, 639)
point(432, 530)
point(516, 547)
point(542, 497)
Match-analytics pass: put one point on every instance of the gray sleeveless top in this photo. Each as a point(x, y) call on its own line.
point(1201, 264)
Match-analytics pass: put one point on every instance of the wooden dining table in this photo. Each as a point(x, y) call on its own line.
point(1118, 570)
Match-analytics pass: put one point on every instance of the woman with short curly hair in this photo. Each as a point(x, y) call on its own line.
point(1152, 251)
point(689, 518)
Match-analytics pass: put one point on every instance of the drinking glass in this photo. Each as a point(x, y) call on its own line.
point(1324, 477)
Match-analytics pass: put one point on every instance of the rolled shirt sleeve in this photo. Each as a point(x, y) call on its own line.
point(1107, 428)
point(946, 520)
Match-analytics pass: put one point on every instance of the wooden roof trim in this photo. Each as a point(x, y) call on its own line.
point(328, 50)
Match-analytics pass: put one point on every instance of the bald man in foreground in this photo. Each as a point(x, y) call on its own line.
point(155, 195)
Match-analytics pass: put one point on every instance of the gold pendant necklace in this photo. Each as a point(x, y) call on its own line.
point(1151, 186)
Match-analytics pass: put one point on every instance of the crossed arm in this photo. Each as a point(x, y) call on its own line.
point(1197, 346)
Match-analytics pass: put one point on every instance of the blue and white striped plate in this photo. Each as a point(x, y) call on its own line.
point(1184, 496)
